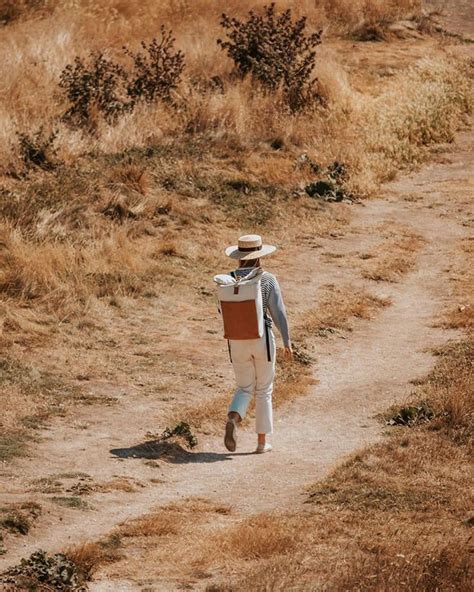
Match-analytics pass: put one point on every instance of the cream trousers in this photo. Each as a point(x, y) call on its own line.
point(254, 374)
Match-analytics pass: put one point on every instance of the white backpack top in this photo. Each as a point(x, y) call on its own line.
point(241, 306)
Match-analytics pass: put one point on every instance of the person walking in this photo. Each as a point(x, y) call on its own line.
point(253, 360)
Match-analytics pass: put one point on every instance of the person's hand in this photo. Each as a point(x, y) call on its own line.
point(288, 353)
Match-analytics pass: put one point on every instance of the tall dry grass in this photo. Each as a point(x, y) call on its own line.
point(421, 107)
point(36, 52)
point(62, 277)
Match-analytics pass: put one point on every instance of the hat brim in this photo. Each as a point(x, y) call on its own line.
point(234, 253)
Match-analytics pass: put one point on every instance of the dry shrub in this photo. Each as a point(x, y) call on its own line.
point(275, 51)
point(229, 111)
point(102, 86)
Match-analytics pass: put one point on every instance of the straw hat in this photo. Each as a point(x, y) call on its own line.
point(250, 247)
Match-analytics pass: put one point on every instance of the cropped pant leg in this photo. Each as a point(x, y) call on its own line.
point(254, 373)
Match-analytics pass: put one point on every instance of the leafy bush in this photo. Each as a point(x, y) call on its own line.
point(157, 71)
point(411, 415)
point(181, 430)
point(94, 85)
point(275, 51)
point(43, 572)
point(100, 86)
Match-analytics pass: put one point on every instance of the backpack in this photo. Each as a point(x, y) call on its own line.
point(241, 305)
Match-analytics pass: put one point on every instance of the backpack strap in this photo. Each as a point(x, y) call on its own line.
point(267, 339)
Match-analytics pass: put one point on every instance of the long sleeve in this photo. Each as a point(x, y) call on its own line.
point(276, 306)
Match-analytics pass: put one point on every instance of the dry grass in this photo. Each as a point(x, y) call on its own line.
point(18, 518)
point(172, 519)
point(417, 561)
point(258, 537)
point(89, 557)
point(352, 15)
point(337, 311)
point(28, 396)
point(171, 523)
point(400, 509)
point(449, 390)
point(120, 484)
point(462, 314)
point(393, 257)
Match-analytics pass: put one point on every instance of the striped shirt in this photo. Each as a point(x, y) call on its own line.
point(272, 302)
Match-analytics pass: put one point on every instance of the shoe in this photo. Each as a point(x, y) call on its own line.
point(261, 448)
point(230, 438)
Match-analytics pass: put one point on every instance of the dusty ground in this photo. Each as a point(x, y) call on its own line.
point(358, 375)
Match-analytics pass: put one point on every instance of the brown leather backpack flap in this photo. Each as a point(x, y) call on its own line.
point(240, 320)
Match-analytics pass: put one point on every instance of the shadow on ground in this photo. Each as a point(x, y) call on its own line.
point(172, 452)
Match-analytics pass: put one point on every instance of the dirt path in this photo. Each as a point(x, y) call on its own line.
point(358, 377)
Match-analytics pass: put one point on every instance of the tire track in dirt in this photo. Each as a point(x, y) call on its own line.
point(358, 377)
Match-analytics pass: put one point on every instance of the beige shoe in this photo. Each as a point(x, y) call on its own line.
point(230, 438)
point(261, 448)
